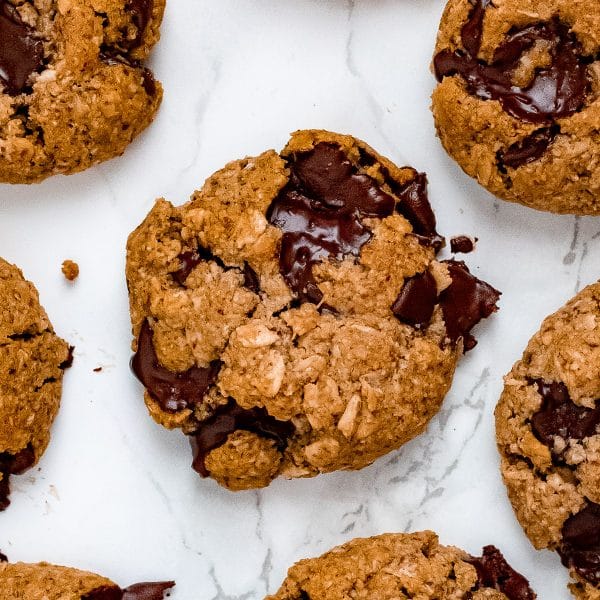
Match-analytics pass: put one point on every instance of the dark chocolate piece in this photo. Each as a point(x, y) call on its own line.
point(580, 548)
point(559, 416)
point(227, 419)
point(137, 591)
point(3, 557)
point(251, 279)
point(462, 244)
point(416, 301)
point(68, 362)
point(556, 91)
point(106, 592)
point(13, 464)
point(320, 212)
point(174, 391)
point(465, 302)
point(141, 12)
point(494, 572)
point(532, 148)
point(21, 54)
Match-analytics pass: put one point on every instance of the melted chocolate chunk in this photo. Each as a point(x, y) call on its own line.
point(414, 206)
point(227, 419)
point(416, 301)
point(138, 591)
point(21, 54)
point(3, 557)
point(580, 548)
point(113, 56)
point(68, 362)
point(559, 416)
point(465, 302)
point(556, 91)
point(462, 244)
point(13, 464)
point(174, 391)
point(251, 280)
point(320, 212)
point(494, 572)
point(141, 12)
point(528, 150)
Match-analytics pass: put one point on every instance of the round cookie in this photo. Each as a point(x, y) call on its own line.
point(548, 432)
point(292, 317)
point(518, 99)
point(48, 582)
point(73, 89)
point(32, 361)
point(403, 565)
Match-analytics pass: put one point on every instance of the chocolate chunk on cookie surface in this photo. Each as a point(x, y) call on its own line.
point(404, 565)
point(73, 88)
point(518, 99)
point(32, 362)
point(548, 433)
point(277, 315)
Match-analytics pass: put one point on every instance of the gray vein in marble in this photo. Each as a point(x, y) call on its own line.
point(571, 255)
point(221, 595)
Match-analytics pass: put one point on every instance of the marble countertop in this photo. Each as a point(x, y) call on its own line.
point(114, 493)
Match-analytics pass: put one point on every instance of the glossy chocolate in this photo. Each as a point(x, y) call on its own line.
point(13, 464)
point(532, 148)
point(141, 12)
point(227, 419)
point(416, 301)
point(173, 391)
point(462, 244)
point(556, 91)
point(494, 572)
point(21, 54)
point(137, 591)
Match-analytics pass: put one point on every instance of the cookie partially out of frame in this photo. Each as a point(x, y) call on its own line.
point(548, 432)
point(518, 99)
point(402, 566)
point(43, 581)
point(32, 362)
point(292, 318)
point(73, 88)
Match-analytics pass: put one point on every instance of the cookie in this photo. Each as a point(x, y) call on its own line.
point(32, 361)
point(403, 565)
point(292, 318)
point(518, 99)
point(73, 88)
point(548, 432)
point(48, 582)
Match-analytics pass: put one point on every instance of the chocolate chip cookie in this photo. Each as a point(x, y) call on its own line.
point(73, 88)
point(48, 582)
point(32, 361)
point(518, 100)
point(395, 566)
point(292, 318)
point(548, 432)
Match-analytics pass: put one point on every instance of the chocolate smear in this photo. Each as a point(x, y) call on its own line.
point(416, 301)
point(462, 244)
point(494, 572)
point(320, 212)
point(13, 464)
point(173, 391)
point(560, 417)
point(465, 302)
point(532, 148)
point(555, 91)
point(227, 419)
point(21, 54)
point(138, 591)
point(580, 548)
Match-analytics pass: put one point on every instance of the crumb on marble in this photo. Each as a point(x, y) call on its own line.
point(70, 269)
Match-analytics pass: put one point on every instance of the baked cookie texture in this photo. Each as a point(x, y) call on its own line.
point(547, 425)
point(405, 565)
point(518, 99)
point(32, 362)
point(292, 318)
point(73, 89)
point(43, 581)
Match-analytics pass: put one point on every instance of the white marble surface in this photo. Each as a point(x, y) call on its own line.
point(114, 492)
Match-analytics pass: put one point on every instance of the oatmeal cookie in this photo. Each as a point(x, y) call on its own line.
point(402, 566)
point(32, 361)
point(548, 432)
point(292, 318)
point(518, 99)
point(73, 89)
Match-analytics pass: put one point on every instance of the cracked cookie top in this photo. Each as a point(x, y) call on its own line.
point(32, 362)
point(518, 104)
point(548, 432)
point(73, 89)
point(292, 317)
point(403, 565)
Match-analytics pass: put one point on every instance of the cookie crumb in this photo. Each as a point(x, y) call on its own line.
point(70, 270)
point(462, 244)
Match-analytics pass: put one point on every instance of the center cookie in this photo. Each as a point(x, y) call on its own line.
point(292, 318)
point(73, 90)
